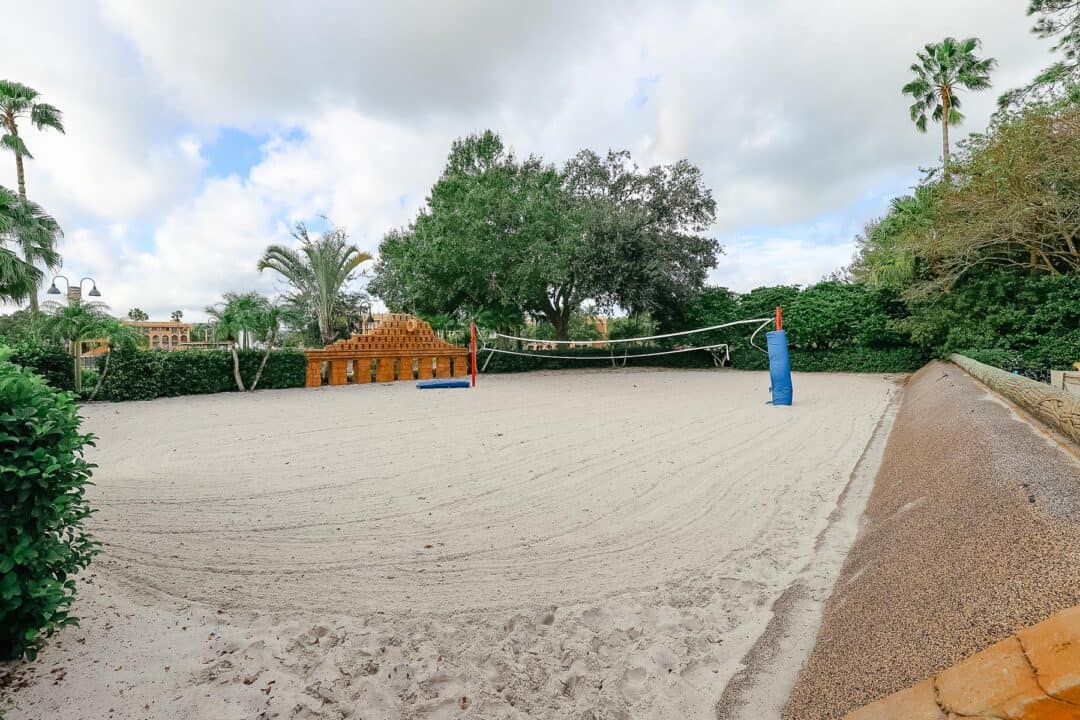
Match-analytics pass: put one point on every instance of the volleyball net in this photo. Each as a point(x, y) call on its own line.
point(621, 351)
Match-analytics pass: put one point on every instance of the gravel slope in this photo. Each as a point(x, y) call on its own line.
point(972, 531)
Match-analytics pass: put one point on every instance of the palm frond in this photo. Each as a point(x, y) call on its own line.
point(15, 144)
point(44, 115)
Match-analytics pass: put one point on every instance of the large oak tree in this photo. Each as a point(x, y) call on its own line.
point(509, 237)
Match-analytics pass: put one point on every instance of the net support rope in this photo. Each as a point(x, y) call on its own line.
point(761, 323)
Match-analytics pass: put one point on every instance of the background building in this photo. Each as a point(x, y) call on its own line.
point(163, 334)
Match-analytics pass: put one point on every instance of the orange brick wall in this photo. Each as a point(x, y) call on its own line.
point(1033, 675)
point(402, 347)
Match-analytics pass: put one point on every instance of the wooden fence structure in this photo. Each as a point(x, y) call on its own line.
point(399, 347)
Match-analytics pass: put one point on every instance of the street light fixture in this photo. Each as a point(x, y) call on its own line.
point(366, 317)
point(74, 293)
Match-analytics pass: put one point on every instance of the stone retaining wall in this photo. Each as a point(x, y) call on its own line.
point(1033, 675)
point(1057, 408)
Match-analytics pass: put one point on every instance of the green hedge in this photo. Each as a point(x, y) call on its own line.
point(148, 374)
point(501, 363)
point(853, 359)
point(43, 477)
point(50, 361)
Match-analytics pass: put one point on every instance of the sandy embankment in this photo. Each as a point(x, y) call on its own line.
point(972, 532)
point(577, 544)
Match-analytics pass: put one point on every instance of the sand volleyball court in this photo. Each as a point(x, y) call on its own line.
point(594, 544)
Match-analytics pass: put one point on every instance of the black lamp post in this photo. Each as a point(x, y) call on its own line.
point(365, 315)
point(74, 293)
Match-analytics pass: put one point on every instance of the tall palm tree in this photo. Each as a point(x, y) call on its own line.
point(943, 68)
point(317, 270)
point(26, 226)
point(19, 102)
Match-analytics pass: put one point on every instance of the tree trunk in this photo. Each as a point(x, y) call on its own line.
point(76, 365)
point(265, 357)
point(328, 335)
point(236, 368)
point(19, 172)
point(101, 378)
point(946, 106)
point(21, 175)
point(561, 321)
point(22, 194)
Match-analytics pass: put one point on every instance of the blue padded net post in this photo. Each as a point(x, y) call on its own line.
point(779, 367)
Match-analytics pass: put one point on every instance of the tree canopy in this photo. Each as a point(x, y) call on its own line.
point(509, 237)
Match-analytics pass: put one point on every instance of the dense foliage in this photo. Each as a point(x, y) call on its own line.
point(42, 508)
point(506, 237)
point(147, 374)
point(52, 362)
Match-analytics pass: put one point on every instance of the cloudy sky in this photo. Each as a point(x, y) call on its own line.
point(199, 132)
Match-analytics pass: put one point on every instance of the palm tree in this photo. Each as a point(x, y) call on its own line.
point(35, 233)
point(943, 68)
point(75, 323)
point(117, 336)
point(269, 323)
point(317, 271)
point(239, 318)
point(19, 102)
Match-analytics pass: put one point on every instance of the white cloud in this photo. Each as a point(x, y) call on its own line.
point(200, 249)
point(120, 159)
point(752, 262)
point(792, 110)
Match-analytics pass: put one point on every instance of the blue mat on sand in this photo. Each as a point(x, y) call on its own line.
point(439, 384)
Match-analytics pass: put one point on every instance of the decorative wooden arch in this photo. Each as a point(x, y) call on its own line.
point(399, 347)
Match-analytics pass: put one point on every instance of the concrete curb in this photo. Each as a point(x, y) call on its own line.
point(1057, 408)
point(1033, 675)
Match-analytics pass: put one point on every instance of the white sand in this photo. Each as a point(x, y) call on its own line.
point(577, 544)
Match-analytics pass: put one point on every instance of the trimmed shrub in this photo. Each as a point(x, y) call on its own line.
point(43, 478)
point(501, 363)
point(147, 374)
point(51, 362)
point(849, 359)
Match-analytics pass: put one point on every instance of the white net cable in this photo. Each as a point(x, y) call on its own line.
point(715, 346)
point(760, 322)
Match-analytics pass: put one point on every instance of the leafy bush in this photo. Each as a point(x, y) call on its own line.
point(147, 374)
point(501, 363)
point(43, 477)
point(632, 326)
point(850, 359)
point(52, 362)
point(1035, 317)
